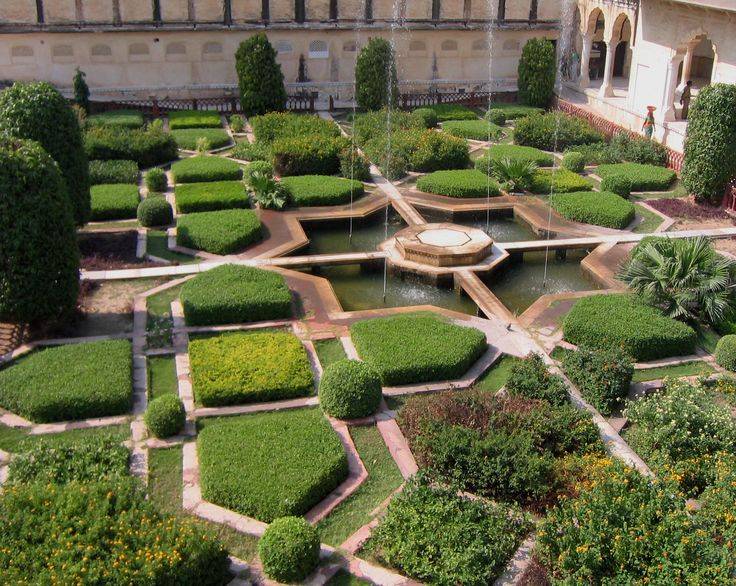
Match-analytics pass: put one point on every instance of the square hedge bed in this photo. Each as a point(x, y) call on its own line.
point(205, 168)
point(115, 201)
point(548, 181)
point(211, 196)
point(119, 118)
point(417, 348)
point(321, 190)
point(642, 177)
point(194, 119)
point(187, 138)
point(447, 112)
point(600, 208)
point(233, 294)
point(473, 129)
point(270, 465)
point(624, 321)
point(459, 183)
point(120, 171)
point(70, 382)
point(249, 367)
point(221, 232)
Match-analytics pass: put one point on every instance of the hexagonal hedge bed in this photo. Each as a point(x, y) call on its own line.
point(206, 168)
point(221, 232)
point(417, 348)
point(270, 465)
point(321, 190)
point(233, 294)
point(249, 367)
point(115, 201)
point(473, 129)
point(559, 181)
point(210, 197)
point(624, 321)
point(75, 381)
point(642, 177)
point(459, 183)
point(600, 208)
point(187, 138)
point(194, 119)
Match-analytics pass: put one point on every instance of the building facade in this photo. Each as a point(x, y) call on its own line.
point(186, 47)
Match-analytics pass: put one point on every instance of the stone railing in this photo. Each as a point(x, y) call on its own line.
point(226, 105)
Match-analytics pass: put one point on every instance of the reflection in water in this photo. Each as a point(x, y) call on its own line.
point(502, 228)
point(332, 237)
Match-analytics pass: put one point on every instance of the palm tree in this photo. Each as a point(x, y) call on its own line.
point(686, 278)
point(514, 174)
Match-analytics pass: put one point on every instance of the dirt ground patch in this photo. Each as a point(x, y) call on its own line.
point(110, 250)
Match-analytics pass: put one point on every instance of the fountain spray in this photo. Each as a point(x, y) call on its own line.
point(492, 7)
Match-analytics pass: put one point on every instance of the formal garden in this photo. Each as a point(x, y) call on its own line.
point(233, 369)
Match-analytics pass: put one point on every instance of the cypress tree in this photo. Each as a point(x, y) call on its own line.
point(537, 71)
point(376, 82)
point(260, 77)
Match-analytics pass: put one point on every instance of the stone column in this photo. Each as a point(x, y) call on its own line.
point(669, 113)
point(687, 64)
point(585, 60)
point(606, 90)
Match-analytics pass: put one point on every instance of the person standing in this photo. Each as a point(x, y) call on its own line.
point(687, 95)
point(649, 125)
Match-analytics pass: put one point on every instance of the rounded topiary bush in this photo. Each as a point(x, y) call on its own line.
point(289, 549)
point(165, 416)
point(574, 162)
point(618, 184)
point(156, 180)
point(350, 389)
point(426, 116)
point(496, 116)
point(155, 211)
point(726, 352)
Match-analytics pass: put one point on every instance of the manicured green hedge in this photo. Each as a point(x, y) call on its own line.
point(147, 147)
point(271, 464)
point(554, 131)
point(302, 155)
point(75, 381)
point(113, 172)
point(154, 211)
point(202, 169)
point(188, 138)
point(251, 367)
point(447, 112)
point(211, 196)
point(276, 125)
point(117, 118)
point(221, 232)
point(459, 183)
point(194, 119)
point(514, 152)
point(156, 180)
point(473, 129)
point(515, 111)
point(114, 202)
point(321, 190)
point(642, 177)
point(559, 181)
point(417, 348)
point(426, 116)
point(165, 416)
point(436, 536)
point(623, 321)
point(104, 533)
point(726, 352)
point(350, 389)
point(252, 151)
point(574, 161)
point(289, 549)
point(232, 294)
point(599, 208)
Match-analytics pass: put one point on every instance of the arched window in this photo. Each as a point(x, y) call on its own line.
point(211, 48)
point(21, 53)
point(318, 50)
point(449, 45)
point(481, 45)
point(138, 49)
point(350, 47)
point(511, 45)
point(101, 51)
point(176, 49)
point(62, 51)
point(284, 47)
point(417, 46)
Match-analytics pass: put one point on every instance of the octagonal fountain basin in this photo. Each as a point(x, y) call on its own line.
point(443, 245)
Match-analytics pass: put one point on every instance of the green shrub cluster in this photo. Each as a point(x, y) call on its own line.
point(599, 208)
point(37, 237)
point(321, 190)
point(237, 123)
point(426, 116)
point(554, 131)
point(350, 389)
point(113, 172)
point(221, 232)
point(372, 125)
point(353, 165)
point(512, 111)
point(623, 321)
point(165, 416)
point(278, 125)
point(289, 549)
point(459, 183)
point(147, 147)
point(434, 535)
point(302, 155)
point(74, 381)
point(447, 112)
point(82, 461)
point(154, 211)
point(642, 177)
point(188, 138)
point(417, 348)
point(636, 149)
point(574, 161)
point(239, 367)
point(537, 72)
point(473, 129)
point(602, 375)
point(531, 379)
point(559, 181)
point(260, 79)
point(514, 153)
point(37, 111)
point(252, 151)
point(618, 184)
point(376, 81)
point(262, 167)
point(263, 482)
point(117, 201)
point(495, 116)
point(194, 119)
point(726, 352)
point(112, 535)
point(156, 180)
point(117, 118)
point(232, 294)
point(202, 169)
point(211, 196)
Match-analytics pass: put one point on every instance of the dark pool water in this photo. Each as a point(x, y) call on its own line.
point(334, 236)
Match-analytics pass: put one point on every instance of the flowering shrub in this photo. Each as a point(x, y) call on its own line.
point(530, 379)
point(683, 208)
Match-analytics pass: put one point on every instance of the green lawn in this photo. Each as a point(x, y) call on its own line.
point(496, 376)
point(157, 245)
point(165, 491)
point(677, 191)
point(159, 317)
point(161, 376)
point(329, 351)
point(383, 478)
point(16, 440)
point(694, 368)
point(650, 220)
